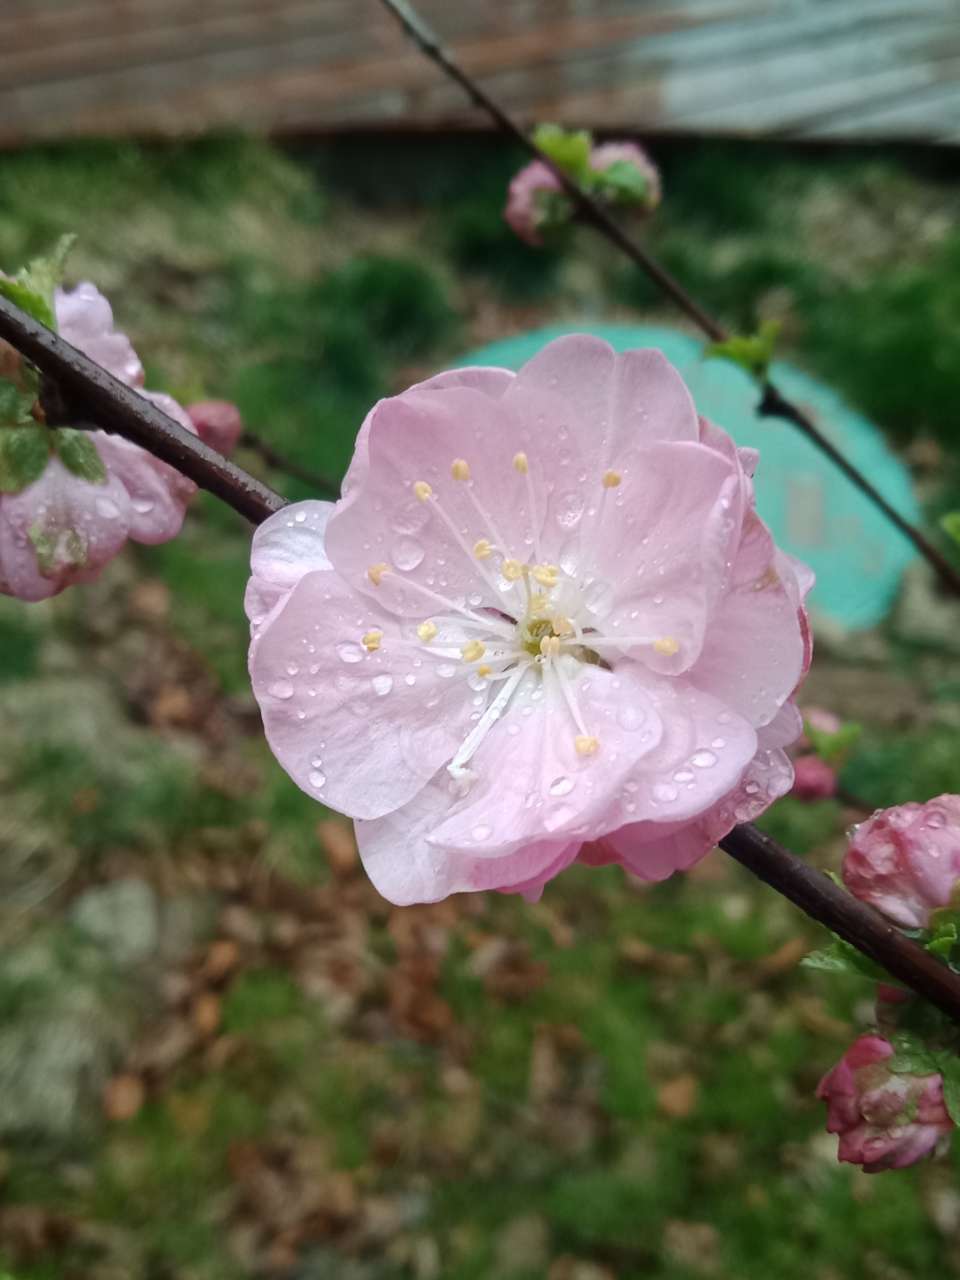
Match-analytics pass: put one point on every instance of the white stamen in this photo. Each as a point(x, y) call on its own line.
point(457, 768)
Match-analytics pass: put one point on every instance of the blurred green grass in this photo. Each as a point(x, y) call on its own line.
point(305, 284)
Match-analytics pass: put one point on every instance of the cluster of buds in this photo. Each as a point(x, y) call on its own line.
point(891, 1097)
point(616, 173)
point(71, 497)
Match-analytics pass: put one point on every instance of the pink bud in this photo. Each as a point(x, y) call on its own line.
point(526, 209)
point(905, 861)
point(218, 424)
point(886, 1120)
point(814, 779)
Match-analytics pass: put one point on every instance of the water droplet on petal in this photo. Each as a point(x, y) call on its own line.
point(382, 685)
point(142, 506)
point(410, 679)
point(407, 553)
point(630, 717)
point(317, 779)
point(664, 792)
point(481, 831)
point(280, 689)
point(349, 652)
point(109, 510)
point(561, 786)
point(446, 670)
point(703, 759)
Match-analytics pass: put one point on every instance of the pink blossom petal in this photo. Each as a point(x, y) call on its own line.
point(360, 729)
point(754, 653)
point(85, 320)
point(285, 548)
point(615, 402)
point(532, 783)
point(59, 531)
point(490, 382)
point(427, 545)
point(427, 873)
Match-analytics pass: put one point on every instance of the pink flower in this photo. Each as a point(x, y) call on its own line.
point(544, 614)
point(905, 861)
point(611, 153)
point(528, 200)
point(63, 529)
point(218, 424)
point(814, 779)
point(885, 1120)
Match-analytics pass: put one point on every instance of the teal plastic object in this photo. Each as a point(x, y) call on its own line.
point(813, 510)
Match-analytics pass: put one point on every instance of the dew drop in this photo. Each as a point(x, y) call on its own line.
point(317, 779)
point(142, 506)
point(292, 669)
point(664, 792)
point(446, 670)
point(569, 509)
point(316, 762)
point(703, 759)
point(718, 743)
point(481, 831)
point(683, 775)
point(349, 652)
point(300, 517)
point(382, 685)
point(407, 553)
point(109, 510)
point(561, 786)
point(280, 689)
point(630, 717)
point(410, 679)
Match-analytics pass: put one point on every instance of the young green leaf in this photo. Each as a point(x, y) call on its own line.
point(23, 456)
point(568, 149)
point(840, 957)
point(950, 523)
point(622, 182)
point(752, 352)
point(79, 455)
point(32, 288)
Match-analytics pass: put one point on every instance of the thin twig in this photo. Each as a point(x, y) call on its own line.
point(819, 897)
point(593, 213)
point(322, 485)
point(100, 398)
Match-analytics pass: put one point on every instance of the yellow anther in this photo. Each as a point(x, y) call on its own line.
point(484, 670)
point(482, 549)
point(667, 646)
point(460, 469)
point(538, 602)
point(520, 463)
point(371, 641)
point(545, 574)
point(550, 646)
point(376, 571)
point(585, 744)
point(611, 479)
point(562, 626)
point(426, 631)
point(422, 490)
point(512, 570)
point(473, 651)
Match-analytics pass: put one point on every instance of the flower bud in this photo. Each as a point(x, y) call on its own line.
point(905, 861)
point(885, 1119)
point(534, 199)
point(218, 424)
point(814, 779)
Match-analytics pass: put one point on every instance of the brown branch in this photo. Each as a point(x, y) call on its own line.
point(593, 213)
point(89, 393)
point(102, 399)
point(819, 897)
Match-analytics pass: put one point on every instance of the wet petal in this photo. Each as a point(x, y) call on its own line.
point(358, 712)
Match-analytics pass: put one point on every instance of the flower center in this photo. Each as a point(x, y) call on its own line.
point(533, 629)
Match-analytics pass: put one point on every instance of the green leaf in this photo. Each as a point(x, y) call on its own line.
point(32, 288)
point(950, 523)
point(568, 149)
point(948, 1065)
point(23, 456)
point(841, 957)
point(79, 455)
point(752, 352)
point(622, 182)
point(14, 406)
point(912, 1056)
